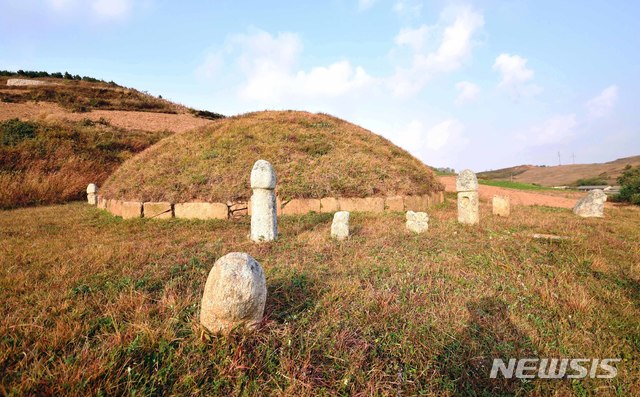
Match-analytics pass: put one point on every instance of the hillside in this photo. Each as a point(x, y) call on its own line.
point(562, 174)
point(59, 134)
point(314, 155)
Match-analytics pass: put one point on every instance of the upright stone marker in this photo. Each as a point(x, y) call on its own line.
point(264, 219)
point(92, 194)
point(340, 225)
point(501, 205)
point(592, 205)
point(234, 295)
point(468, 203)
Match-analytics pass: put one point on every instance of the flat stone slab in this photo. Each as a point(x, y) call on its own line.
point(340, 225)
point(157, 210)
point(329, 205)
point(417, 203)
point(468, 208)
point(125, 209)
point(201, 210)
point(367, 204)
point(394, 204)
point(301, 206)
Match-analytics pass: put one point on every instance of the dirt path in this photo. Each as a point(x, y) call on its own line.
point(519, 197)
point(146, 121)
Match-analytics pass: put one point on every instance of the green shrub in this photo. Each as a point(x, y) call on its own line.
point(15, 131)
point(629, 185)
point(595, 181)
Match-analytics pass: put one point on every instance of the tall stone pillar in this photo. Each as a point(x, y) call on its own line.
point(468, 203)
point(264, 221)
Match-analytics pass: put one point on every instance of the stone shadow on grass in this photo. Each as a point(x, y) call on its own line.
point(291, 296)
point(466, 363)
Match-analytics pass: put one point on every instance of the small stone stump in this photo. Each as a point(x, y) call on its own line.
point(592, 205)
point(234, 295)
point(340, 225)
point(501, 205)
point(264, 220)
point(468, 202)
point(92, 194)
point(417, 222)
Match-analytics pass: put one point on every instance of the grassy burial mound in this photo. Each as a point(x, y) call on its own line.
point(314, 155)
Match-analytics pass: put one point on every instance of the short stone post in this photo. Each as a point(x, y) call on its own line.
point(92, 194)
point(592, 205)
point(468, 203)
point(417, 222)
point(234, 295)
point(264, 220)
point(501, 205)
point(340, 225)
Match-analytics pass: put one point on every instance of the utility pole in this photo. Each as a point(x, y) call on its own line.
point(559, 161)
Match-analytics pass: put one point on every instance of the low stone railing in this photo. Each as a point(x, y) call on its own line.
point(205, 210)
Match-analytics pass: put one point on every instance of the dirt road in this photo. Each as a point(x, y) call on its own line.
point(520, 197)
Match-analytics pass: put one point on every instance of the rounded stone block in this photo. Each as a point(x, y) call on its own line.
point(92, 191)
point(340, 225)
point(234, 294)
point(466, 181)
point(264, 219)
point(263, 176)
point(417, 222)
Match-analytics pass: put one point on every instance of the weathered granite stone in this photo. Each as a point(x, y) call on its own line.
point(102, 203)
point(125, 209)
point(468, 208)
point(92, 194)
point(340, 225)
point(466, 181)
point(159, 210)
point(26, 82)
point(417, 222)
point(592, 205)
point(234, 294)
point(201, 210)
point(301, 206)
point(394, 204)
point(264, 219)
point(238, 209)
point(501, 205)
point(329, 205)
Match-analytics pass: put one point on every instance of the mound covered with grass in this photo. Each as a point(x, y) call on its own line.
point(314, 155)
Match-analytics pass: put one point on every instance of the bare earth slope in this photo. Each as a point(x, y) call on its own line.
point(518, 197)
point(563, 174)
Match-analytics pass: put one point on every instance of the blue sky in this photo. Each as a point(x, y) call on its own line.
point(464, 84)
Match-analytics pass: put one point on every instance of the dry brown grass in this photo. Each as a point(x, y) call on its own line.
point(314, 155)
point(58, 163)
point(91, 304)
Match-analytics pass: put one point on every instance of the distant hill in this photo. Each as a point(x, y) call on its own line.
point(561, 175)
point(59, 132)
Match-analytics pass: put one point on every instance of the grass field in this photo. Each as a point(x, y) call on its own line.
point(511, 185)
point(92, 304)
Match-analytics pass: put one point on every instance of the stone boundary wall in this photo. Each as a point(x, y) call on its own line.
point(27, 82)
point(203, 210)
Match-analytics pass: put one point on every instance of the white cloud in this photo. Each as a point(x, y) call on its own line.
point(268, 63)
point(603, 104)
point(453, 50)
point(556, 129)
point(365, 4)
point(468, 92)
point(408, 9)
point(448, 132)
point(211, 66)
point(515, 76)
